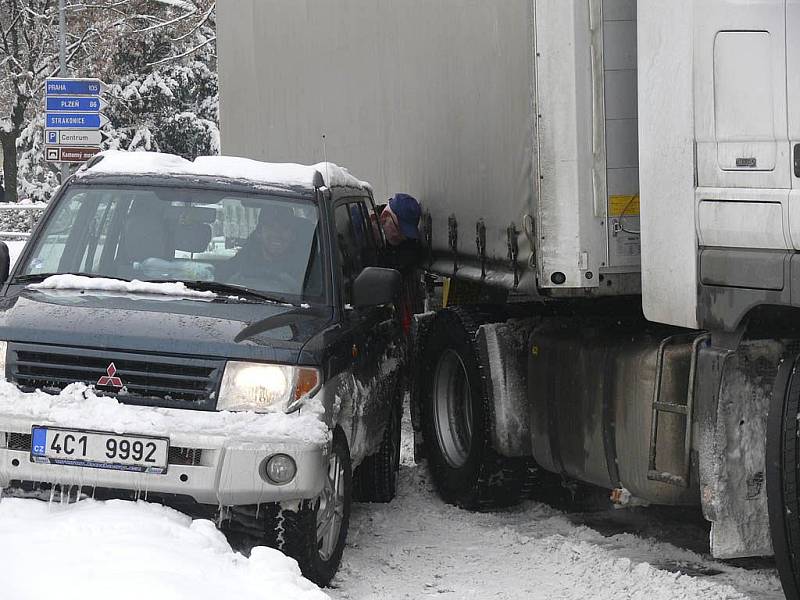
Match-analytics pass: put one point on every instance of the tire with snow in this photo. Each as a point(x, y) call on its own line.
point(375, 479)
point(783, 483)
point(314, 534)
point(456, 418)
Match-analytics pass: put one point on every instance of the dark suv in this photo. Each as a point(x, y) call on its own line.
point(233, 338)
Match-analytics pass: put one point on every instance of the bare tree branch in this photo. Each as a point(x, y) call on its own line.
point(199, 24)
point(183, 54)
point(183, 17)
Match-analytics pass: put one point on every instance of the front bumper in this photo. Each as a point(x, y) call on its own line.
point(224, 472)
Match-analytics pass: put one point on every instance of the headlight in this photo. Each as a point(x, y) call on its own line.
point(265, 388)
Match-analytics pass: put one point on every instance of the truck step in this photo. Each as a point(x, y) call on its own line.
point(684, 410)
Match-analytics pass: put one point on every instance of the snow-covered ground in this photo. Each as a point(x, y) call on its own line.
point(415, 547)
point(14, 249)
point(125, 550)
point(418, 547)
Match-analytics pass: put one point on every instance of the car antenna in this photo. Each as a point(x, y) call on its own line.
point(325, 159)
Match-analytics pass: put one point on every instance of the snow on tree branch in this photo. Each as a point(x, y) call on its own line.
point(184, 54)
point(159, 57)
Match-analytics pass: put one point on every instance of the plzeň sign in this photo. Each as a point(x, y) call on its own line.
point(72, 104)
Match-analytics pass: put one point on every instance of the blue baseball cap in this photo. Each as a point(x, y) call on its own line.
point(408, 211)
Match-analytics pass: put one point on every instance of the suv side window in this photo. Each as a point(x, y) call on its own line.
point(355, 243)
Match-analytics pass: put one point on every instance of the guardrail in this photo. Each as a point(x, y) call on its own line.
point(17, 220)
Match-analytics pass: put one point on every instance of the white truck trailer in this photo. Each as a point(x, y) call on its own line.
point(612, 189)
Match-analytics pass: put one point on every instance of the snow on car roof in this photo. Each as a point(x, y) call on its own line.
point(115, 162)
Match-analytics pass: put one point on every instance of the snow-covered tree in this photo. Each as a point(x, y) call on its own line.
point(158, 56)
point(28, 54)
point(164, 96)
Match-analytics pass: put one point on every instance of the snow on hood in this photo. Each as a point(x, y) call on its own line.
point(78, 406)
point(115, 162)
point(129, 550)
point(79, 282)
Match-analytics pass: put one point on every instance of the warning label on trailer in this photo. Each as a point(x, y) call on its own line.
point(623, 206)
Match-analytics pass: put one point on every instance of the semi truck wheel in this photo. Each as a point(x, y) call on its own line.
point(783, 493)
point(456, 415)
point(314, 533)
point(375, 479)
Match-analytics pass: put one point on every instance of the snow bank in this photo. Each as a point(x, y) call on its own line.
point(79, 282)
point(14, 250)
point(78, 406)
point(115, 162)
point(125, 550)
point(419, 547)
point(24, 203)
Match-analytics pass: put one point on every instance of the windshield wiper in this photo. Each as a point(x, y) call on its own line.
point(227, 289)
point(39, 277)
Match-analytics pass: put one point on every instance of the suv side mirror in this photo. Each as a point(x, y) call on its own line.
point(5, 262)
point(375, 286)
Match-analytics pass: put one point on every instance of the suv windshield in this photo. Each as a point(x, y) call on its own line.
point(266, 243)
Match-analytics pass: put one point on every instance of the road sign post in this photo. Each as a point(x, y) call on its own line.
point(62, 60)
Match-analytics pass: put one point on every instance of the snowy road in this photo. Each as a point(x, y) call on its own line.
point(415, 547)
point(418, 547)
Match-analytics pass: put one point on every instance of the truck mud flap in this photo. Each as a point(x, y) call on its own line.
point(420, 326)
point(783, 449)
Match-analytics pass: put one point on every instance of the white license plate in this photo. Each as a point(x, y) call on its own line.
point(99, 450)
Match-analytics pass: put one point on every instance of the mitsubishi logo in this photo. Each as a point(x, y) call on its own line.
point(110, 379)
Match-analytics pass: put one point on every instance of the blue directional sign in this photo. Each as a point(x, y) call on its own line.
point(74, 87)
point(62, 120)
point(73, 119)
point(74, 104)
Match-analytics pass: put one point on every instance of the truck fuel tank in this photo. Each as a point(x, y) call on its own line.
point(594, 392)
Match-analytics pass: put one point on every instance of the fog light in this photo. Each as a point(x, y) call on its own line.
point(280, 469)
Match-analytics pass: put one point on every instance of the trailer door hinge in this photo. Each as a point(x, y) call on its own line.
point(513, 251)
point(480, 242)
point(452, 239)
point(427, 234)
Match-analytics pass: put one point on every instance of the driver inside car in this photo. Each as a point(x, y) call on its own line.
point(264, 258)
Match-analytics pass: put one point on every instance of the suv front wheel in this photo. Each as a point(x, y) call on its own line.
point(315, 532)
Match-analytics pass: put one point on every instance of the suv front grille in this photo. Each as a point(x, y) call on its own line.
point(150, 380)
point(18, 441)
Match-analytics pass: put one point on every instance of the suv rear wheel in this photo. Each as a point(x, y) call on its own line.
point(375, 479)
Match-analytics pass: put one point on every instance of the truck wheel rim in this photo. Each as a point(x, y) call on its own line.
point(330, 512)
point(452, 400)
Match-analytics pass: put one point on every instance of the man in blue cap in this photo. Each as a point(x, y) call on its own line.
point(400, 222)
point(400, 219)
